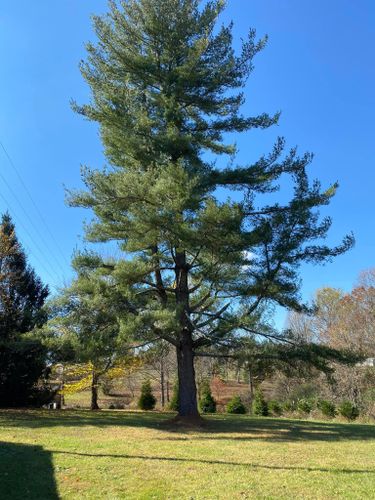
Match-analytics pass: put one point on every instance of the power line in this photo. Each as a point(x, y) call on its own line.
point(33, 202)
point(31, 224)
point(31, 221)
point(53, 277)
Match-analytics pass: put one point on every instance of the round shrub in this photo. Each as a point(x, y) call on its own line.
point(236, 406)
point(207, 402)
point(147, 400)
point(348, 410)
point(260, 406)
point(327, 408)
point(304, 405)
point(275, 408)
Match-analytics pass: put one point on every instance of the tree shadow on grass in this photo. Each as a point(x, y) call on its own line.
point(278, 429)
point(220, 462)
point(38, 419)
point(233, 427)
point(26, 472)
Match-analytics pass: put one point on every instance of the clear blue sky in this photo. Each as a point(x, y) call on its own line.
point(318, 69)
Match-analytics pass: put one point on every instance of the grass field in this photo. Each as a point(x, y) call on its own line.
point(111, 455)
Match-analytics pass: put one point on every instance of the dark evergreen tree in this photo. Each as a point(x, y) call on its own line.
point(174, 403)
point(275, 408)
point(22, 295)
point(327, 408)
point(348, 410)
point(166, 89)
point(207, 403)
point(147, 400)
point(259, 405)
point(236, 406)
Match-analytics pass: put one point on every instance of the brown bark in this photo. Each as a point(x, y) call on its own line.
point(188, 406)
point(94, 392)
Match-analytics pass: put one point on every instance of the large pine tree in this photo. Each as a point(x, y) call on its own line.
point(22, 295)
point(198, 271)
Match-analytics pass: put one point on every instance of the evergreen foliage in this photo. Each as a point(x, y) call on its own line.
point(260, 406)
point(275, 408)
point(236, 406)
point(173, 404)
point(207, 403)
point(289, 406)
point(327, 408)
point(348, 410)
point(22, 365)
point(84, 326)
point(22, 295)
point(147, 400)
point(197, 271)
point(305, 406)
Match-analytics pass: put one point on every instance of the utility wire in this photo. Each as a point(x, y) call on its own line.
point(32, 225)
point(33, 202)
point(48, 271)
point(31, 221)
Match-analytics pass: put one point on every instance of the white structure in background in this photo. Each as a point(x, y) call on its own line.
point(367, 362)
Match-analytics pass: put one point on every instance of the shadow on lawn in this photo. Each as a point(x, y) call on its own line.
point(243, 428)
point(26, 472)
point(221, 462)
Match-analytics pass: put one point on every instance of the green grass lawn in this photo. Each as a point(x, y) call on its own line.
point(49, 454)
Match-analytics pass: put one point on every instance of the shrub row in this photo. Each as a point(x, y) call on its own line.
point(260, 407)
point(305, 406)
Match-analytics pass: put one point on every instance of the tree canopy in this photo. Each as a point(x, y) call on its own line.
point(84, 328)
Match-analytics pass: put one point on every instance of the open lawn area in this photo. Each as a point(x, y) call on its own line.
point(80, 454)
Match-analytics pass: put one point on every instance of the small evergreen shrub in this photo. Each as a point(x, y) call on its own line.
point(236, 406)
point(275, 408)
point(260, 406)
point(207, 402)
point(348, 410)
point(305, 405)
point(174, 402)
point(289, 406)
point(147, 400)
point(327, 408)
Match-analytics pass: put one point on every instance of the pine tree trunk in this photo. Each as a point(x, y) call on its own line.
point(94, 392)
point(188, 406)
point(186, 380)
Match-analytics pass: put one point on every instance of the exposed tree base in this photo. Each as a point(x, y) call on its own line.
point(191, 421)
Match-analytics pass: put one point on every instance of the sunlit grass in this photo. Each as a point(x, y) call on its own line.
point(126, 455)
